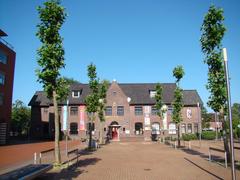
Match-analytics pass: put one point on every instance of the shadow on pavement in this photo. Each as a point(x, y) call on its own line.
point(203, 169)
point(204, 156)
point(73, 171)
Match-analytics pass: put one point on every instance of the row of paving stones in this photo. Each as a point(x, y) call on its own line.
point(141, 160)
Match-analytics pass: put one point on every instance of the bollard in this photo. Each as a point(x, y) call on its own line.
point(35, 158)
point(175, 144)
point(209, 155)
point(226, 159)
point(40, 158)
point(189, 144)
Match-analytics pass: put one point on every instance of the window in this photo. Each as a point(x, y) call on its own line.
point(114, 93)
point(120, 110)
point(152, 93)
point(154, 110)
point(138, 128)
point(73, 128)
point(155, 128)
point(104, 129)
point(189, 128)
point(196, 127)
point(73, 111)
point(75, 94)
point(172, 128)
point(2, 78)
point(3, 57)
point(108, 111)
point(1, 98)
point(138, 110)
point(124, 129)
point(45, 110)
point(183, 128)
point(170, 110)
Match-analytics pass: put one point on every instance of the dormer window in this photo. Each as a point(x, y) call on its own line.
point(152, 93)
point(75, 94)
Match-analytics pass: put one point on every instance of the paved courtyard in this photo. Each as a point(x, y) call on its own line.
point(141, 161)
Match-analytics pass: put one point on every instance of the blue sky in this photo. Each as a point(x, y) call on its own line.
point(128, 40)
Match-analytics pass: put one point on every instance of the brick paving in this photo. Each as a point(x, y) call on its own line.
point(141, 161)
point(15, 156)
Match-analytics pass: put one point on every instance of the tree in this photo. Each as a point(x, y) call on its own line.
point(206, 118)
point(178, 73)
point(236, 119)
point(102, 103)
point(92, 100)
point(213, 31)
point(21, 116)
point(51, 59)
point(159, 102)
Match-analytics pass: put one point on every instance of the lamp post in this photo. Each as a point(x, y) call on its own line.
point(229, 112)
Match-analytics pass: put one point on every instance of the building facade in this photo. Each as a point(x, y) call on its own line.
point(7, 65)
point(130, 112)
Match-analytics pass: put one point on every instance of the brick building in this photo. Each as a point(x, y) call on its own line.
point(7, 64)
point(129, 112)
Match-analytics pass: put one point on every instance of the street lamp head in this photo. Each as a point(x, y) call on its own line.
point(224, 54)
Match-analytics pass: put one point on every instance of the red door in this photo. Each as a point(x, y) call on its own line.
point(114, 134)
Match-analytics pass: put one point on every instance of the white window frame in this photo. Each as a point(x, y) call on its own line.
point(74, 95)
point(152, 93)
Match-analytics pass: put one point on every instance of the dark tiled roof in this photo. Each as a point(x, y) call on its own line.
point(139, 94)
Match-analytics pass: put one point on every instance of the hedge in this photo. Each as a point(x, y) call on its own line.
point(188, 137)
point(210, 135)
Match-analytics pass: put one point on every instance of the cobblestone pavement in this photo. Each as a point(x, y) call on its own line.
point(141, 161)
point(15, 156)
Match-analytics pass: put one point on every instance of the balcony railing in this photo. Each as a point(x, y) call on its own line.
point(6, 43)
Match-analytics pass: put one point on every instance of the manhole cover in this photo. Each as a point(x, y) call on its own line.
point(147, 169)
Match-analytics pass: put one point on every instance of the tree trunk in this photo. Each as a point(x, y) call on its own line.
point(56, 122)
point(225, 138)
point(90, 131)
point(101, 140)
point(179, 143)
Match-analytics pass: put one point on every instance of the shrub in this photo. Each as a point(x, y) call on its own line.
point(188, 137)
point(210, 135)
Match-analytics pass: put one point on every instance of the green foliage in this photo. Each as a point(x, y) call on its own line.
point(209, 135)
point(178, 73)
point(213, 31)
point(206, 118)
point(102, 96)
point(51, 53)
point(236, 119)
point(189, 137)
point(159, 102)
point(21, 116)
point(177, 105)
point(92, 100)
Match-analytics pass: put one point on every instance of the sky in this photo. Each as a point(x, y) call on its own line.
point(132, 41)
